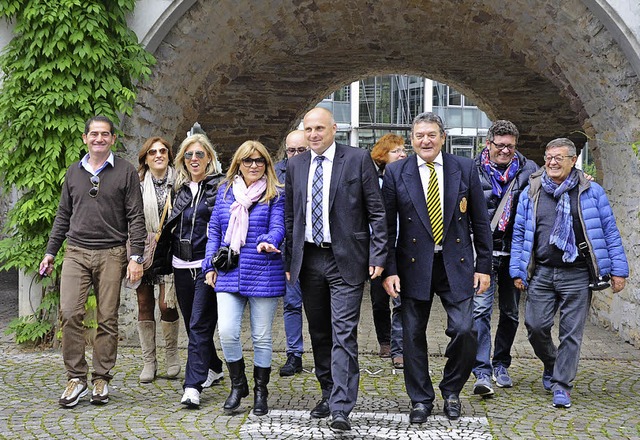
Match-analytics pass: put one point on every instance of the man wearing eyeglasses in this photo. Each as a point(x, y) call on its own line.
point(565, 244)
point(504, 173)
point(100, 207)
point(295, 143)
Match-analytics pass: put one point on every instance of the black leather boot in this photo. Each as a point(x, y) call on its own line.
point(239, 387)
point(260, 392)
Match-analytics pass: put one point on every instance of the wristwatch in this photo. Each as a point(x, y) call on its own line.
point(138, 258)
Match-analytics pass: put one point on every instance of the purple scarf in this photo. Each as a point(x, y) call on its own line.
point(562, 234)
point(499, 183)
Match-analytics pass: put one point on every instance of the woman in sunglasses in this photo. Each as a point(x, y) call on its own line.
point(156, 180)
point(248, 220)
point(197, 178)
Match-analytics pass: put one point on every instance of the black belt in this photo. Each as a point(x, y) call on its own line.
point(323, 245)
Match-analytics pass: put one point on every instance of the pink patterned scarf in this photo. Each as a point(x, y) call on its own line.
point(236, 234)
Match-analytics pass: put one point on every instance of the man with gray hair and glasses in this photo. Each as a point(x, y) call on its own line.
point(565, 245)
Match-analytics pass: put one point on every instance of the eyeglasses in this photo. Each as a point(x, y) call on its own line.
point(248, 162)
point(189, 154)
point(95, 181)
point(559, 158)
point(292, 150)
point(162, 151)
point(504, 146)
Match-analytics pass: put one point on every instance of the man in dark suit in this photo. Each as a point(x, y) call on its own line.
point(432, 252)
point(336, 238)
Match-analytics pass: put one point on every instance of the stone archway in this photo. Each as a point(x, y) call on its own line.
point(251, 69)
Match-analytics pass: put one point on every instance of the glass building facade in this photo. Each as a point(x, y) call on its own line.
point(388, 104)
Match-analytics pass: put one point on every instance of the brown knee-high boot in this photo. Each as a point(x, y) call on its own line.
point(147, 334)
point(170, 331)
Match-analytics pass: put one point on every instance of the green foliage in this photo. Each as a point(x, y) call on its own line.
point(68, 60)
point(590, 168)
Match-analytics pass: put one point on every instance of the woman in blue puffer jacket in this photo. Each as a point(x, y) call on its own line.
point(248, 218)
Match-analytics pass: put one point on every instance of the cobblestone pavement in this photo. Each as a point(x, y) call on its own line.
point(606, 399)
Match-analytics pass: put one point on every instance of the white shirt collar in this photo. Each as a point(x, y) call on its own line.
point(437, 160)
point(328, 154)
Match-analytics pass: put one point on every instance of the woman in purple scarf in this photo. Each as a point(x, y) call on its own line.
point(248, 219)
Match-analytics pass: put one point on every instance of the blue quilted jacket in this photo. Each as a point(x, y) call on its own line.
point(598, 222)
point(257, 274)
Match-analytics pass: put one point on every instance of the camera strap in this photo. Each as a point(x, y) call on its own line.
point(597, 283)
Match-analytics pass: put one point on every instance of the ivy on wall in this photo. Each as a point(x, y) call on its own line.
point(68, 60)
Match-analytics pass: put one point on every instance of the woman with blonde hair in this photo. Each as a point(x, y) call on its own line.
point(156, 173)
point(197, 178)
point(247, 221)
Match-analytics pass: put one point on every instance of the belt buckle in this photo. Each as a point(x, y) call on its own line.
point(325, 245)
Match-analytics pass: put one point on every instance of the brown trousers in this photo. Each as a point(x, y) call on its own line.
point(103, 269)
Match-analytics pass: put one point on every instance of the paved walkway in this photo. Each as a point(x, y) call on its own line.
point(606, 399)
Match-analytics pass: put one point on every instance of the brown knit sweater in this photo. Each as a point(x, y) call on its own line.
point(105, 221)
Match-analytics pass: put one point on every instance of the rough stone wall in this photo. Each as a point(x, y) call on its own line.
point(251, 70)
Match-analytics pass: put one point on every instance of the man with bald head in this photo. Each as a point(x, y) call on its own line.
point(336, 238)
point(294, 144)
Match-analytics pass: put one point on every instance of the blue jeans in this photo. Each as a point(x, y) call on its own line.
point(230, 310)
point(567, 290)
point(293, 318)
point(508, 301)
point(396, 327)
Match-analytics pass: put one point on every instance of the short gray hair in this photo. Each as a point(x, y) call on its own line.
point(430, 118)
point(562, 142)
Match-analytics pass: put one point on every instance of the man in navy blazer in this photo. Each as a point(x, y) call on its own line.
point(417, 267)
point(332, 265)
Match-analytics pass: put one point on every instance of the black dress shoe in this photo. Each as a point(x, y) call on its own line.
point(419, 413)
point(321, 410)
point(452, 407)
point(340, 421)
point(292, 366)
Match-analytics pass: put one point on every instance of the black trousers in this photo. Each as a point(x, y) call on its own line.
point(460, 351)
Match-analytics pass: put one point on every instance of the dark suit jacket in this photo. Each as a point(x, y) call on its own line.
point(465, 211)
point(356, 213)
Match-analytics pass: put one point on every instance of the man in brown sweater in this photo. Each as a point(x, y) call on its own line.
point(100, 207)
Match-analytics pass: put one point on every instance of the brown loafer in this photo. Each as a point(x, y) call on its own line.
point(398, 362)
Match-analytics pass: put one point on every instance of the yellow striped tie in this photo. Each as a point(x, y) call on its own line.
point(433, 205)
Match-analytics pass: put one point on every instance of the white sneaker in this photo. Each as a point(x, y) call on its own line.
point(191, 398)
point(212, 378)
point(73, 392)
point(100, 393)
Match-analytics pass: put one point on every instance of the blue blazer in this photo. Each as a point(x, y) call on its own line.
point(411, 248)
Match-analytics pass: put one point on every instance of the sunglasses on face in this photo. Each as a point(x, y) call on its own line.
point(162, 151)
point(199, 154)
point(260, 162)
point(95, 181)
point(292, 150)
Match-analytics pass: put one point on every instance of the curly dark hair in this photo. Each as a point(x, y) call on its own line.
point(502, 127)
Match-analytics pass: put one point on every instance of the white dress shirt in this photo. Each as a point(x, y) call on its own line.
point(327, 166)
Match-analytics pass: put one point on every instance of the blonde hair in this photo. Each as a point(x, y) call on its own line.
point(182, 175)
point(243, 152)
